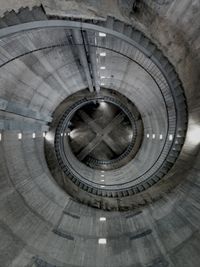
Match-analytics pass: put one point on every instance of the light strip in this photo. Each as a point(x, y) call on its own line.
point(102, 241)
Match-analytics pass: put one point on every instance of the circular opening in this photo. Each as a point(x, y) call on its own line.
point(100, 132)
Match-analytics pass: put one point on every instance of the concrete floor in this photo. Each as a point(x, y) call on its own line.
point(41, 225)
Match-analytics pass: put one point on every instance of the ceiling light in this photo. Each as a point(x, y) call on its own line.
point(103, 77)
point(153, 136)
point(102, 219)
point(102, 186)
point(147, 135)
point(170, 137)
point(102, 241)
point(43, 134)
point(61, 134)
point(33, 135)
point(102, 34)
point(0, 136)
point(19, 136)
point(102, 67)
point(161, 136)
point(102, 83)
point(102, 175)
point(102, 180)
point(103, 54)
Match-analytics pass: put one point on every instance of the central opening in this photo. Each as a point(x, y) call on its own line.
point(99, 132)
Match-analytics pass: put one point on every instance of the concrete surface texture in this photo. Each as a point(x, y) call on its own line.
point(40, 223)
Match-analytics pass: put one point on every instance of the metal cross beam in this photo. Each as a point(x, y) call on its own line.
point(93, 60)
point(101, 133)
point(78, 40)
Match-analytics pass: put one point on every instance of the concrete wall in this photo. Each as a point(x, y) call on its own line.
point(38, 219)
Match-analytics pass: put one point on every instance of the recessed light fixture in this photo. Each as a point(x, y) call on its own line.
point(170, 137)
point(161, 136)
point(153, 136)
point(43, 134)
point(147, 135)
point(61, 134)
point(33, 135)
point(102, 219)
point(102, 241)
point(102, 34)
point(102, 180)
point(102, 83)
point(103, 77)
point(102, 175)
point(103, 54)
point(19, 136)
point(102, 67)
point(102, 186)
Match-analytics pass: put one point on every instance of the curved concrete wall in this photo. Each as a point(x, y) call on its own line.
point(38, 219)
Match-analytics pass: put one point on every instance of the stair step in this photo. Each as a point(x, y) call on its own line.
point(144, 42)
point(168, 165)
point(11, 18)
point(180, 140)
point(136, 35)
point(128, 30)
point(158, 55)
point(171, 159)
point(25, 15)
point(181, 133)
point(94, 191)
point(178, 90)
point(169, 68)
point(172, 75)
point(177, 147)
point(157, 177)
point(174, 154)
point(152, 48)
point(2, 24)
point(151, 182)
point(176, 83)
point(85, 187)
point(164, 62)
point(39, 14)
point(109, 23)
point(118, 26)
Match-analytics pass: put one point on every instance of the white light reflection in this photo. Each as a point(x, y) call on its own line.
point(102, 241)
point(102, 34)
point(102, 54)
point(193, 135)
point(49, 136)
point(74, 133)
point(102, 104)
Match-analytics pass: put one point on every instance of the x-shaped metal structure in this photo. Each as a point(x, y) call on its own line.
point(102, 134)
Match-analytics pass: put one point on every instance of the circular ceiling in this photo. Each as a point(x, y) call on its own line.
point(148, 97)
point(154, 95)
point(102, 131)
